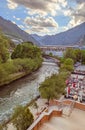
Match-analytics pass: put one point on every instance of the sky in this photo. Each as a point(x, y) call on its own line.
point(44, 17)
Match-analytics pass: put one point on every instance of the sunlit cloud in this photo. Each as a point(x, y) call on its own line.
point(41, 15)
point(12, 4)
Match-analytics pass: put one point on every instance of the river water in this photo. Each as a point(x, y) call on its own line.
point(23, 90)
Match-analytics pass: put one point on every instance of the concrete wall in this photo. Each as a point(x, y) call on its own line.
point(77, 105)
point(47, 116)
point(80, 106)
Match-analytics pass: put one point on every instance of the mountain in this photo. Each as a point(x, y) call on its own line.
point(82, 41)
point(69, 37)
point(37, 37)
point(14, 32)
point(73, 36)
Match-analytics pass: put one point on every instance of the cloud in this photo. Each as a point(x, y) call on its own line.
point(16, 18)
point(11, 4)
point(38, 30)
point(39, 6)
point(41, 14)
point(40, 21)
point(40, 24)
point(77, 14)
point(41, 31)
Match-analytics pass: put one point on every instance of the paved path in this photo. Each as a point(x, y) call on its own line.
point(75, 122)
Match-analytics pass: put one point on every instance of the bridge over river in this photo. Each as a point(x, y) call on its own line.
point(55, 48)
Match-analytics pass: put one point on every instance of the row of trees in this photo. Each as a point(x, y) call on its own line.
point(76, 55)
point(71, 56)
point(17, 66)
point(25, 58)
point(5, 45)
point(26, 50)
point(67, 64)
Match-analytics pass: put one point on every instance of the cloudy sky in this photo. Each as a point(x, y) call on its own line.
point(44, 16)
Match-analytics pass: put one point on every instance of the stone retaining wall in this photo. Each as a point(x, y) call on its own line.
point(77, 105)
point(46, 116)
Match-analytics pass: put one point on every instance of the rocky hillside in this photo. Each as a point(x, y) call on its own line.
point(14, 32)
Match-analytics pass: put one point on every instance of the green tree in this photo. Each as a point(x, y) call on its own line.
point(52, 87)
point(5, 45)
point(68, 65)
point(83, 56)
point(68, 61)
point(4, 54)
point(3, 73)
point(26, 50)
point(22, 118)
point(1, 128)
point(50, 54)
point(78, 54)
point(70, 53)
point(64, 75)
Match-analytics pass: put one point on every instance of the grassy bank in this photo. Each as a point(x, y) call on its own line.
point(15, 76)
point(11, 78)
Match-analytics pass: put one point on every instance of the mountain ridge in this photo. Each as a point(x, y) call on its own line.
point(72, 36)
point(69, 37)
point(12, 31)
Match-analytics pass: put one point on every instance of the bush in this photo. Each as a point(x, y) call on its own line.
point(22, 118)
point(10, 68)
point(53, 87)
point(1, 128)
point(26, 50)
point(3, 73)
point(67, 65)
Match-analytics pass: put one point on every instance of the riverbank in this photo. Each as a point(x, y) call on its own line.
point(22, 91)
point(36, 112)
point(13, 77)
point(27, 105)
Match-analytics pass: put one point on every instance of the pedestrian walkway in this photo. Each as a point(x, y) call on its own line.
point(75, 122)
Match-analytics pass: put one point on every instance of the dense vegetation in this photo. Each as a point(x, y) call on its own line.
point(67, 65)
point(26, 50)
point(25, 59)
point(1, 128)
point(5, 46)
point(76, 55)
point(54, 86)
point(22, 118)
point(72, 56)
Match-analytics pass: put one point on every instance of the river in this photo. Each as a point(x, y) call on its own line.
point(23, 90)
